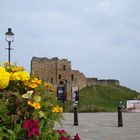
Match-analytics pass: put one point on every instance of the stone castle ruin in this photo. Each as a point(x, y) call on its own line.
point(59, 73)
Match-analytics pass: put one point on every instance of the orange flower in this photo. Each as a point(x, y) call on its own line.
point(57, 109)
point(34, 83)
point(36, 105)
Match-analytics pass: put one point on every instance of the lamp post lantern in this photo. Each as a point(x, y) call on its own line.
point(9, 37)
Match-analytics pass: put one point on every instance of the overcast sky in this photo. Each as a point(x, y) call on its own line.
point(101, 38)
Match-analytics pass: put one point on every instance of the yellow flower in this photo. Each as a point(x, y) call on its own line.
point(4, 78)
point(61, 109)
point(29, 103)
point(13, 67)
point(17, 68)
point(24, 76)
point(57, 109)
point(34, 83)
point(36, 105)
point(49, 87)
point(36, 80)
point(16, 76)
point(20, 76)
point(2, 69)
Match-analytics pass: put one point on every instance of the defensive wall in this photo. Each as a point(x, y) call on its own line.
point(59, 73)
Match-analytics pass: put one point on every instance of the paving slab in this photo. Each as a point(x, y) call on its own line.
point(102, 126)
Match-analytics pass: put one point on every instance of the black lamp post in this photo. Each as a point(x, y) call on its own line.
point(9, 37)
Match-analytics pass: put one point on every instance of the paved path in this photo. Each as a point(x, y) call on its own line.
point(103, 126)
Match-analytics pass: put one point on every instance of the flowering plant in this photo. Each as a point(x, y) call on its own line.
point(63, 135)
point(28, 107)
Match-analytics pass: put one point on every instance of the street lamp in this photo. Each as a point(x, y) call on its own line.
point(9, 37)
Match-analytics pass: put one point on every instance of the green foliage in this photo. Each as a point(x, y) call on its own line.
point(14, 110)
point(28, 106)
point(3, 114)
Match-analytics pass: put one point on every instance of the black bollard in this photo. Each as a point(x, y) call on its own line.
point(75, 99)
point(75, 116)
point(120, 122)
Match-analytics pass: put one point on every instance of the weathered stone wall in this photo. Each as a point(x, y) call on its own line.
point(59, 72)
point(95, 81)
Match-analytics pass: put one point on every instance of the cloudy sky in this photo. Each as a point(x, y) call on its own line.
point(101, 38)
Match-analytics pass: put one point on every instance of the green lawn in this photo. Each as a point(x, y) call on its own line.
point(102, 98)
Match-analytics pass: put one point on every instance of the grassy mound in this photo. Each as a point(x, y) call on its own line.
point(104, 98)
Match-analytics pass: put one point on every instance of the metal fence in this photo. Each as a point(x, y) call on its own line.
point(94, 106)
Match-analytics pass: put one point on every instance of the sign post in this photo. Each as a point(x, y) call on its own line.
point(60, 95)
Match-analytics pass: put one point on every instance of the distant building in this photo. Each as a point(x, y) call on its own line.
point(59, 73)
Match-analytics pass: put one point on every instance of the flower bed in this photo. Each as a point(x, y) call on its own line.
point(28, 107)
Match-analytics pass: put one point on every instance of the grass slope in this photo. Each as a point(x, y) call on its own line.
point(104, 98)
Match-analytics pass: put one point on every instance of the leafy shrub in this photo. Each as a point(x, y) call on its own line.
point(28, 107)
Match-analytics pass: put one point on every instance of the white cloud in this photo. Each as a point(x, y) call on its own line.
point(104, 33)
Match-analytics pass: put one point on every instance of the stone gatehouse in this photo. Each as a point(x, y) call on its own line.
point(59, 72)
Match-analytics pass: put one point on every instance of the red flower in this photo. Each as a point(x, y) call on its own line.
point(76, 137)
point(61, 132)
point(32, 127)
point(63, 135)
point(63, 138)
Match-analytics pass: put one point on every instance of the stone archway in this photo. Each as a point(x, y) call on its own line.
point(61, 83)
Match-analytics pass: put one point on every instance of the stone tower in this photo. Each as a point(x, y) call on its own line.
point(58, 72)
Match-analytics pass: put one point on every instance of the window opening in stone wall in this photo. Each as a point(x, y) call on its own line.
point(59, 76)
point(51, 80)
point(72, 77)
point(64, 67)
point(61, 83)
